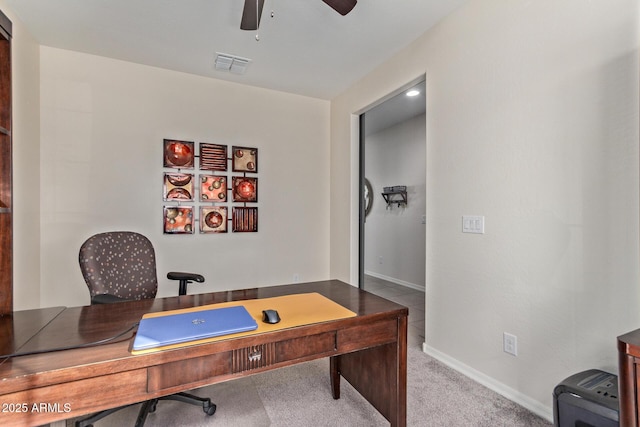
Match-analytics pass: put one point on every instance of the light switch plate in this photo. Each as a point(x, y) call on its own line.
point(473, 224)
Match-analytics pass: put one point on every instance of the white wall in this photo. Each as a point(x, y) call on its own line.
point(102, 128)
point(532, 121)
point(26, 159)
point(397, 156)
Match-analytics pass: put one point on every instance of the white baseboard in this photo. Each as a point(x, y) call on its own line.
point(396, 281)
point(500, 388)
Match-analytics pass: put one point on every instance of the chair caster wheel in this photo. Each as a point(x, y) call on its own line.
point(210, 409)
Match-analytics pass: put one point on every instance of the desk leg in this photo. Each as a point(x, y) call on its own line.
point(380, 376)
point(627, 389)
point(334, 367)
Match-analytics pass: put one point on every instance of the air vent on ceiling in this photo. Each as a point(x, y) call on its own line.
point(231, 63)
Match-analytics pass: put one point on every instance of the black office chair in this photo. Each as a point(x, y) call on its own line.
point(121, 266)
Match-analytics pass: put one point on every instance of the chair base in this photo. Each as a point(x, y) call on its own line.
point(150, 406)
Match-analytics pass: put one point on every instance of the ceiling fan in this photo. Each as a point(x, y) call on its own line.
point(252, 11)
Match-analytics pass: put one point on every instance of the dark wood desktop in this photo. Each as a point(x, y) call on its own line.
point(369, 351)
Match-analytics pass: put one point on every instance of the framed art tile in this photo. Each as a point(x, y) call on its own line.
point(178, 186)
point(178, 154)
point(245, 159)
point(213, 188)
point(213, 157)
point(213, 219)
point(178, 220)
point(244, 189)
point(245, 220)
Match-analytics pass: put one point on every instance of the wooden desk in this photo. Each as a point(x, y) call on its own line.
point(629, 378)
point(369, 351)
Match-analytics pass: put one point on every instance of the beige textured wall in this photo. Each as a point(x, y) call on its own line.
point(532, 121)
point(102, 125)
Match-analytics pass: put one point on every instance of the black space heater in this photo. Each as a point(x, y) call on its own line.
point(587, 399)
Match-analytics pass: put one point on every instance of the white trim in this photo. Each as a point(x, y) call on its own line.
point(354, 222)
point(500, 388)
point(396, 281)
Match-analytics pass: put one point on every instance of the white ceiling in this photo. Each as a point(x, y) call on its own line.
point(396, 109)
point(306, 48)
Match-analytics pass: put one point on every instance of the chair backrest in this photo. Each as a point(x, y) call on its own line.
point(120, 263)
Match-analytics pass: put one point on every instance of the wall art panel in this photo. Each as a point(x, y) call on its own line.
point(245, 220)
point(213, 219)
point(244, 189)
point(213, 157)
point(245, 159)
point(178, 154)
point(178, 220)
point(178, 186)
point(213, 188)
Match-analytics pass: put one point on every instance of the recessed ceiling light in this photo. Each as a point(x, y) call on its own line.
point(413, 92)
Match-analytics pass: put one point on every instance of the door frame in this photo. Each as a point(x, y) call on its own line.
point(359, 118)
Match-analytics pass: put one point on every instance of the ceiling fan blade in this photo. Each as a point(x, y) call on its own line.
point(341, 6)
point(251, 14)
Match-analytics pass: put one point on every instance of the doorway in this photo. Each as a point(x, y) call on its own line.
point(392, 220)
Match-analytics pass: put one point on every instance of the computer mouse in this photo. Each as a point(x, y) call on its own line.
point(270, 316)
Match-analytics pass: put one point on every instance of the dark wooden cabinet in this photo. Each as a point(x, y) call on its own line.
point(6, 197)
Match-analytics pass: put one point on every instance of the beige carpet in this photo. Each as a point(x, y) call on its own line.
point(301, 396)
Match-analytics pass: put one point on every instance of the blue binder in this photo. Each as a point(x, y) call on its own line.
point(159, 331)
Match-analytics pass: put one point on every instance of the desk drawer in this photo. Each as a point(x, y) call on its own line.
point(187, 371)
point(259, 356)
point(244, 359)
point(371, 335)
point(76, 398)
point(305, 346)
